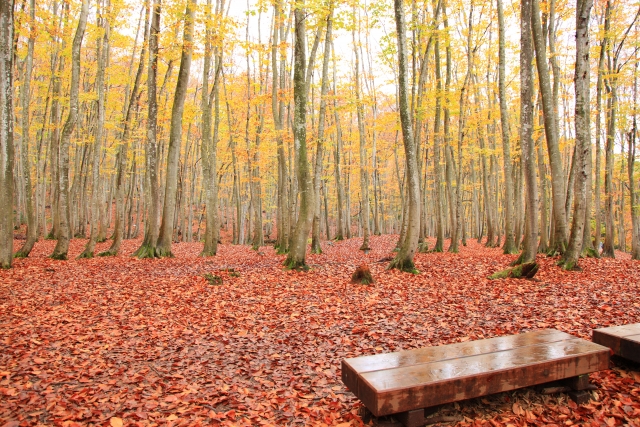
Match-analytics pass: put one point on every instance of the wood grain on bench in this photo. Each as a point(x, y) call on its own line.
point(421, 378)
point(623, 340)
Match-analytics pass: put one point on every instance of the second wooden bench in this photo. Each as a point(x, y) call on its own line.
point(405, 383)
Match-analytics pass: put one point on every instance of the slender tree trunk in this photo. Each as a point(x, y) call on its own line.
point(317, 178)
point(530, 248)
point(543, 247)
point(6, 133)
point(122, 157)
point(599, 89)
point(437, 139)
point(55, 119)
point(147, 249)
point(404, 258)
point(62, 247)
point(102, 53)
point(364, 164)
point(509, 246)
point(163, 247)
point(633, 195)
point(277, 106)
point(448, 149)
point(338, 162)
point(551, 132)
point(258, 232)
point(608, 247)
point(32, 229)
point(583, 134)
point(297, 253)
point(208, 178)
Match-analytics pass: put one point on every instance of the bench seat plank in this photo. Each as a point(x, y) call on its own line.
point(452, 351)
point(421, 378)
point(623, 340)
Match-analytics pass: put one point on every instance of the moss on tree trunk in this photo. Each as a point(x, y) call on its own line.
point(522, 271)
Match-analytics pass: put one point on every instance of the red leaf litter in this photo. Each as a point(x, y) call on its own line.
point(122, 341)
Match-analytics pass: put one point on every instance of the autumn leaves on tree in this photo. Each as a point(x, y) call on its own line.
point(291, 122)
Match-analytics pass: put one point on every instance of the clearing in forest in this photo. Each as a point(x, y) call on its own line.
point(237, 340)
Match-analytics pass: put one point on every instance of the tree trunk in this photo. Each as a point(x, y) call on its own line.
point(612, 103)
point(437, 139)
point(317, 177)
point(64, 236)
point(277, 106)
point(163, 247)
point(32, 231)
point(102, 53)
point(364, 166)
point(543, 247)
point(6, 133)
point(340, 232)
point(404, 258)
point(121, 157)
point(583, 135)
point(509, 243)
point(599, 89)
point(297, 251)
point(530, 247)
point(147, 249)
point(551, 132)
point(633, 195)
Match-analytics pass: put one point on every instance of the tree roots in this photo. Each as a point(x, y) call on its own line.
point(522, 271)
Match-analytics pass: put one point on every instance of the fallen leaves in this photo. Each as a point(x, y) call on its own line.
point(111, 340)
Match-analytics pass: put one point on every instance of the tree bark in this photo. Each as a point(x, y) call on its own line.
point(317, 177)
point(509, 246)
point(530, 248)
point(633, 194)
point(147, 249)
point(551, 132)
point(340, 226)
point(6, 133)
point(404, 258)
point(583, 135)
point(277, 105)
point(297, 251)
point(364, 164)
point(102, 53)
point(599, 89)
point(163, 248)
point(32, 232)
point(64, 236)
point(437, 141)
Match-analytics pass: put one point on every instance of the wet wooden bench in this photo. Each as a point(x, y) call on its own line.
point(623, 340)
point(406, 383)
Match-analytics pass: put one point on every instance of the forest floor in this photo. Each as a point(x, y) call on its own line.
point(122, 341)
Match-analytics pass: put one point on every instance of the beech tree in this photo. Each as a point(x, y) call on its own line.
point(559, 237)
point(583, 133)
point(6, 133)
point(296, 258)
point(25, 162)
point(165, 238)
point(404, 258)
point(64, 233)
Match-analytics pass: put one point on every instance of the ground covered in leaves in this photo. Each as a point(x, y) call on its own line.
point(236, 340)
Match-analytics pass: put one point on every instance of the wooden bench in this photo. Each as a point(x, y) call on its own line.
point(406, 383)
point(623, 340)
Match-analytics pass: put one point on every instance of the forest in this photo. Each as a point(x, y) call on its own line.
point(176, 121)
point(186, 182)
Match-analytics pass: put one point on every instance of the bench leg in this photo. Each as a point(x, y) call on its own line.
point(413, 418)
point(580, 396)
point(580, 382)
point(579, 386)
